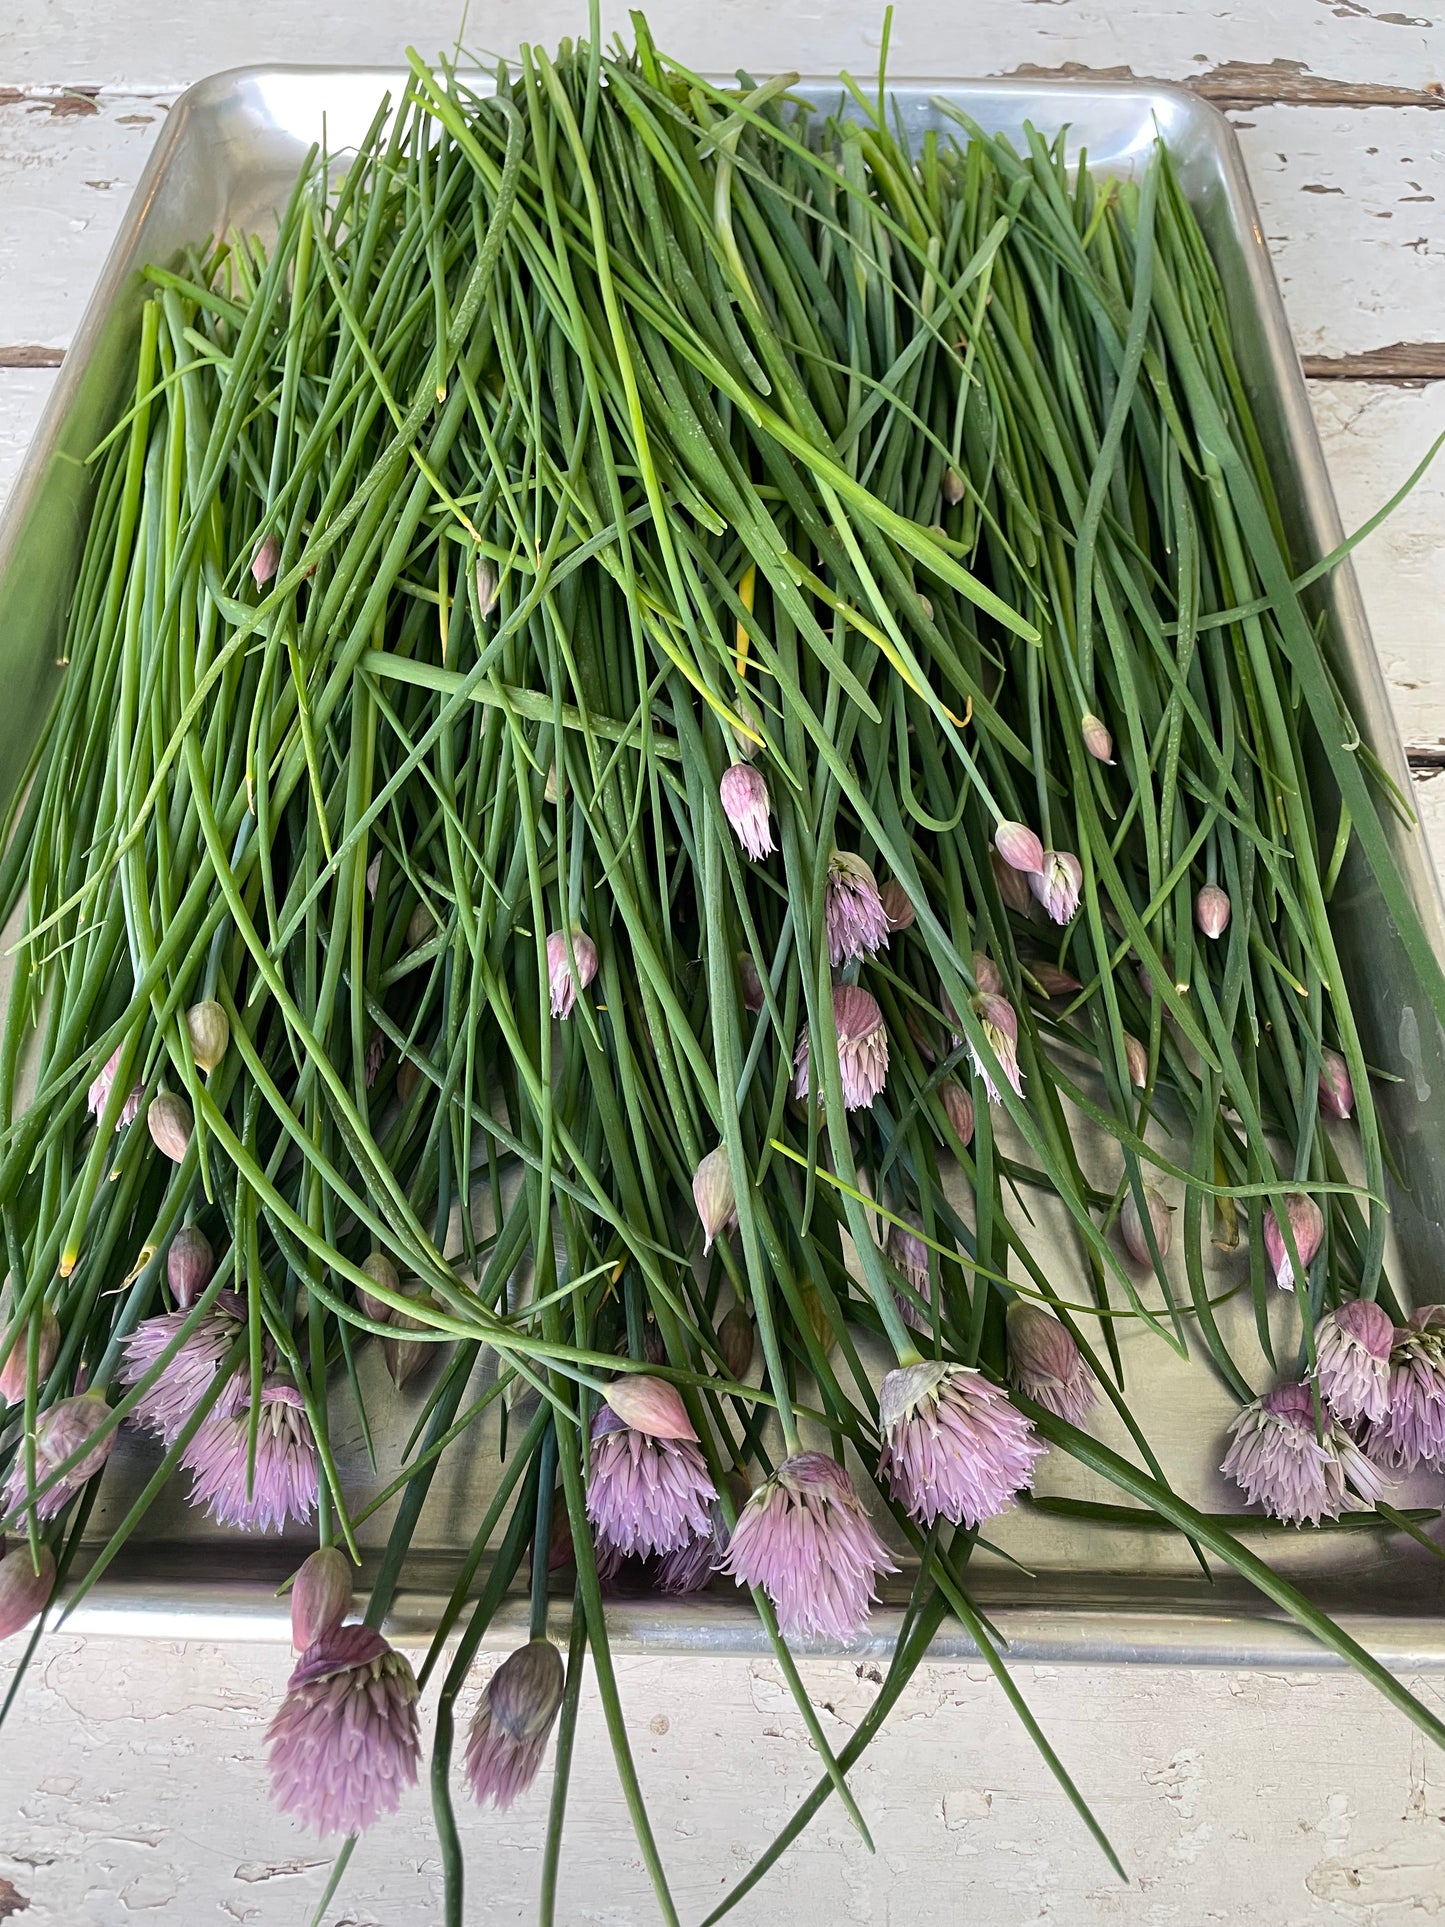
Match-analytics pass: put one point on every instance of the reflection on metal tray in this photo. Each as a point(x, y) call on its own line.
point(228, 157)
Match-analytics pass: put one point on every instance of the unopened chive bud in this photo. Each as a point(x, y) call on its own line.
point(926, 606)
point(650, 1405)
point(958, 1108)
point(1212, 910)
point(1097, 740)
point(1307, 1228)
point(420, 927)
point(986, 974)
point(1013, 886)
point(24, 1592)
point(1132, 1225)
point(1020, 849)
point(746, 804)
point(751, 981)
point(563, 984)
point(952, 486)
point(373, 875)
point(320, 1596)
point(1045, 1363)
point(13, 1371)
point(549, 788)
point(382, 1271)
point(736, 1337)
point(1053, 981)
point(210, 1033)
point(408, 1077)
point(897, 906)
point(404, 1357)
point(487, 588)
point(170, 1124)
point(190, 1265)
point(745, 744)
point(1137, 1059)
point(1337, 1091)
point(715, 1196)
point(526, 1690)
point(267, 558)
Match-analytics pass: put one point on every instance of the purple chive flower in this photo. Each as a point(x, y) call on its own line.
point(1058, 883)
point(286, 1482)
point(1001, 1028)
point(1097, 740)
point(689, 1568)
point(853, 913)
point(746, 805)
point(510, 1728)
point(1337, 1092)
point(1045, 1363)
point(862, 1048)
point(1020, 848)
point(649, 1490)
point(1307, 1228)
point(24, 1592)
point(60, 1430)
point(1280, 1463)
point(897, 906)
point(98, 1096)
point(563, 983)
point(346, 1740)
point(1212, 910)
point(187, 1378)
point(1412, 1431)
point(804, 1538)
point(1352, 1359)
point(953, 1445)
point(908, 1254)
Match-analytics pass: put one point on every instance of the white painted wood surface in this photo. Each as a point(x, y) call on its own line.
point(130, 1783)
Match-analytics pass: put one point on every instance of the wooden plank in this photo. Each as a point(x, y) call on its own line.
point(1253, 51)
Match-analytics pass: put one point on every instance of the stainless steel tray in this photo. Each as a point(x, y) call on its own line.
point(228, 156)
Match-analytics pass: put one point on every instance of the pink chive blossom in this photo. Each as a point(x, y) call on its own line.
point(862, 1048)
point(286, 1480)
point(908, 1254)
point(804, 1538)
point(1097, 740)
point(98, 1096)
point(1058, 883)
point(1212, 910)
point(897, 906)
point(509, 1730)
point(1352, 1359)
point(187, 1378)
point(563, 983)
point(1307, 1228)
point(1001, 1028)
point(24, 1592)
point(61, 1429)
point(1045, 1363)
point(1280, 1463)
point(1020, 848)
point(689, 1568)
point(346, 1742)
point(649, 1489)
point(1412, 1431)
point(853, 914)
point(1337, 1091)
point(1131, 1225)
point(953, 1445)
point(746, 804)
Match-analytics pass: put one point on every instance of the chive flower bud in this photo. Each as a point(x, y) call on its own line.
point(60, 1430)
point(746, 804)
point(12, 1372)
point(378, 1267)
point(1337, 1091)
point(346, 1741)
point(1352, 1359)
point(1058, 884)
point(751, 981)
point(1212, 910)
point(952, 486)
point(170, 1124)
point(509, 1730)
point(958, 1108)
point(375, 1056)
point(649, 1488)
point(320, 1596)
point(1001, 1028)
point(549, 787)
point(986, 974)
point(97, 1097)
point(488, 589)
point(1053, 981)
point(267, 559)
point(650, 1405)
point(736, 1340)
point(24, 1592)
point(1045, 1362)
point(190, 1265)
point(854, 918)
point(210, 1033)
point(953, 1445)
point(1013, 886)
point(1136, 1057)
point(1097, 740)
point(404, 1359)
point(804, 1538)
point(1136, 1242)
point(1279, 1460)
point(897, 905)
point(862, 1048)
point(408, 1077)
point(420, 927)
point(563, 982)
point(1307, 1228)
point(373, 876)
point(714, 1195)
point(1020, 848)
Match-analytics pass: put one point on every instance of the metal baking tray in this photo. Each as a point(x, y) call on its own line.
point(228, 157)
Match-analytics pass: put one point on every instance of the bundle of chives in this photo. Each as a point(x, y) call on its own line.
point(528, 606)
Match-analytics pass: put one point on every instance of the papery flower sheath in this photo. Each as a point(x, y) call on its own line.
point(1097, 740)
point(862, 1048)
point(286, 1480)
point(1278, 1460)
point(958, 1109)
point(563, 983)
point(1352, 1359)
point(346, 1742)
point(1212, 910)
point(715, 1196)
point(17, 1338)
point(747, 806)
point(1337, 1091)
point(1020, 848)
point(61, 1429)
point(1307, 1228)
point(186, 1379)
point(953, 1446)
point(853, 914)
point(1131, 1225)
point(1045, 1363)
point(509, 1730)
point(320, 1596)
point(804, 1538)
point(897, 906)
point(649, 1488)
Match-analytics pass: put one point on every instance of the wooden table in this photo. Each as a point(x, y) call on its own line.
point(130, 1786)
